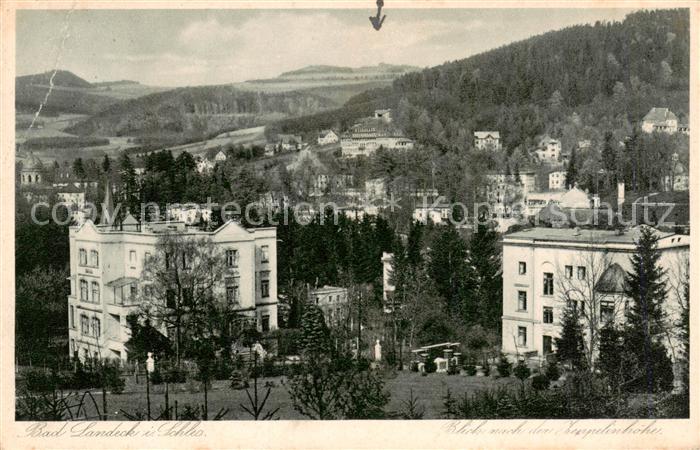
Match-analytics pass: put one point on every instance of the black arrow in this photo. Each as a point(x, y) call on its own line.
point(376, 21)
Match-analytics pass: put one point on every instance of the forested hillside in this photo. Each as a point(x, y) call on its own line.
point(196, 112)
point(609, 74)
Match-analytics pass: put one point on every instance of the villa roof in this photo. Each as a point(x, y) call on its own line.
point(612, 280)
point(485, 134)
point(659, 115)
point(584, 236)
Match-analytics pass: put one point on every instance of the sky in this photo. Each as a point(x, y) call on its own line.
point(202, 47)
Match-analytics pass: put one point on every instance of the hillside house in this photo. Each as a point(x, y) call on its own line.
point(487, 140)
point(333, 301)
point(220, 157)
point(437, 213)
point(548, 150)
point(660, 120)
point(505, 191)
point(289, 142)
point(557, 180)
point(326, 137)
point(368, 134)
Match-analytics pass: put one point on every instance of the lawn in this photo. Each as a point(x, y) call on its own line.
point(429, 391)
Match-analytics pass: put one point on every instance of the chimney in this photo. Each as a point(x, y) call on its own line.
point(107, 217)
point(620, 194)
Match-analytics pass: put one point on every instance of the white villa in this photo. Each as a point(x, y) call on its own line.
point(368, 134)
point(105, 278)
point(660, 120)
point(557, 180)
point(544, 268)
point(326, 137)
point(487, 139)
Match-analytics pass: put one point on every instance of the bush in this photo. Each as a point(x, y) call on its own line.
point(413, 366)
point(430, 366)
point(504, 366)
point(521, 371)
point(239, 379)
point(552, 372)
point(470, 369)
point(156, 377)
point(486, 368)
point(40, 381)
point(540, 382)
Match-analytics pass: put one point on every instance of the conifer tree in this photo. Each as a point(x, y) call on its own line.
point(644, 327)
point(570, 348)
point(486, 278)
point(571, 171)
point(315, 336)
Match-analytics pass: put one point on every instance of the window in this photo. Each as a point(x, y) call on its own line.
point(548, 284)
point(84, 325)
point(546, 345)
point(72, 347)
point(83, 257)
point(522, 268)
point(265, 284)
point(265, 322)
point(186, 262)
point(232, 258)
point(569, 271)
point(94, 258)
point(548, 314)
point(607, 311)
point(522, 337)
point(170, 299)
point(265, 253)
point(133, 291)
point(132, 256)
point(232, 294)
point(146, 256)
point(95, 292)
point(96, 327)
point(581, 273)
point(167, 260)
point(83, 290)
point(72, 316)
point(522, 301)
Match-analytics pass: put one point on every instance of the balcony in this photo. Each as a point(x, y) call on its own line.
point(124, 291)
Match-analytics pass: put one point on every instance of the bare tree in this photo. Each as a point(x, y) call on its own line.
point(179, 284)
point(578, 281)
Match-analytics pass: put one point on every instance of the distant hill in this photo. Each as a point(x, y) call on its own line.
point(379, 71)
point(197, 112)
point(60, 78)
point(337, 84)
point(578, 80)
point(71, 94)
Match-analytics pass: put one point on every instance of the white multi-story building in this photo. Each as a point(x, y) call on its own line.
point(333, 301)
point(326, 137)
point(557, 180)
point(106, 266)
point(487, 139)
point(661, 120)
point(544, 268)
point(548, 150)
point(370, 133)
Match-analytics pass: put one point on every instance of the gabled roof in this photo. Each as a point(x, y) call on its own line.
point(659, 115)
point(485, 134)
point(612, 280)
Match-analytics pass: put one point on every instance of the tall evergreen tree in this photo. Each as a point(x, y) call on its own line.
point(609, 157)
point(447, 267)
point(570, 348)
point(79, 169)
point(315, 336)
point(644, 326)
point(571, 170)
point(486, 279)
point(414, 244)
point(106, 164)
